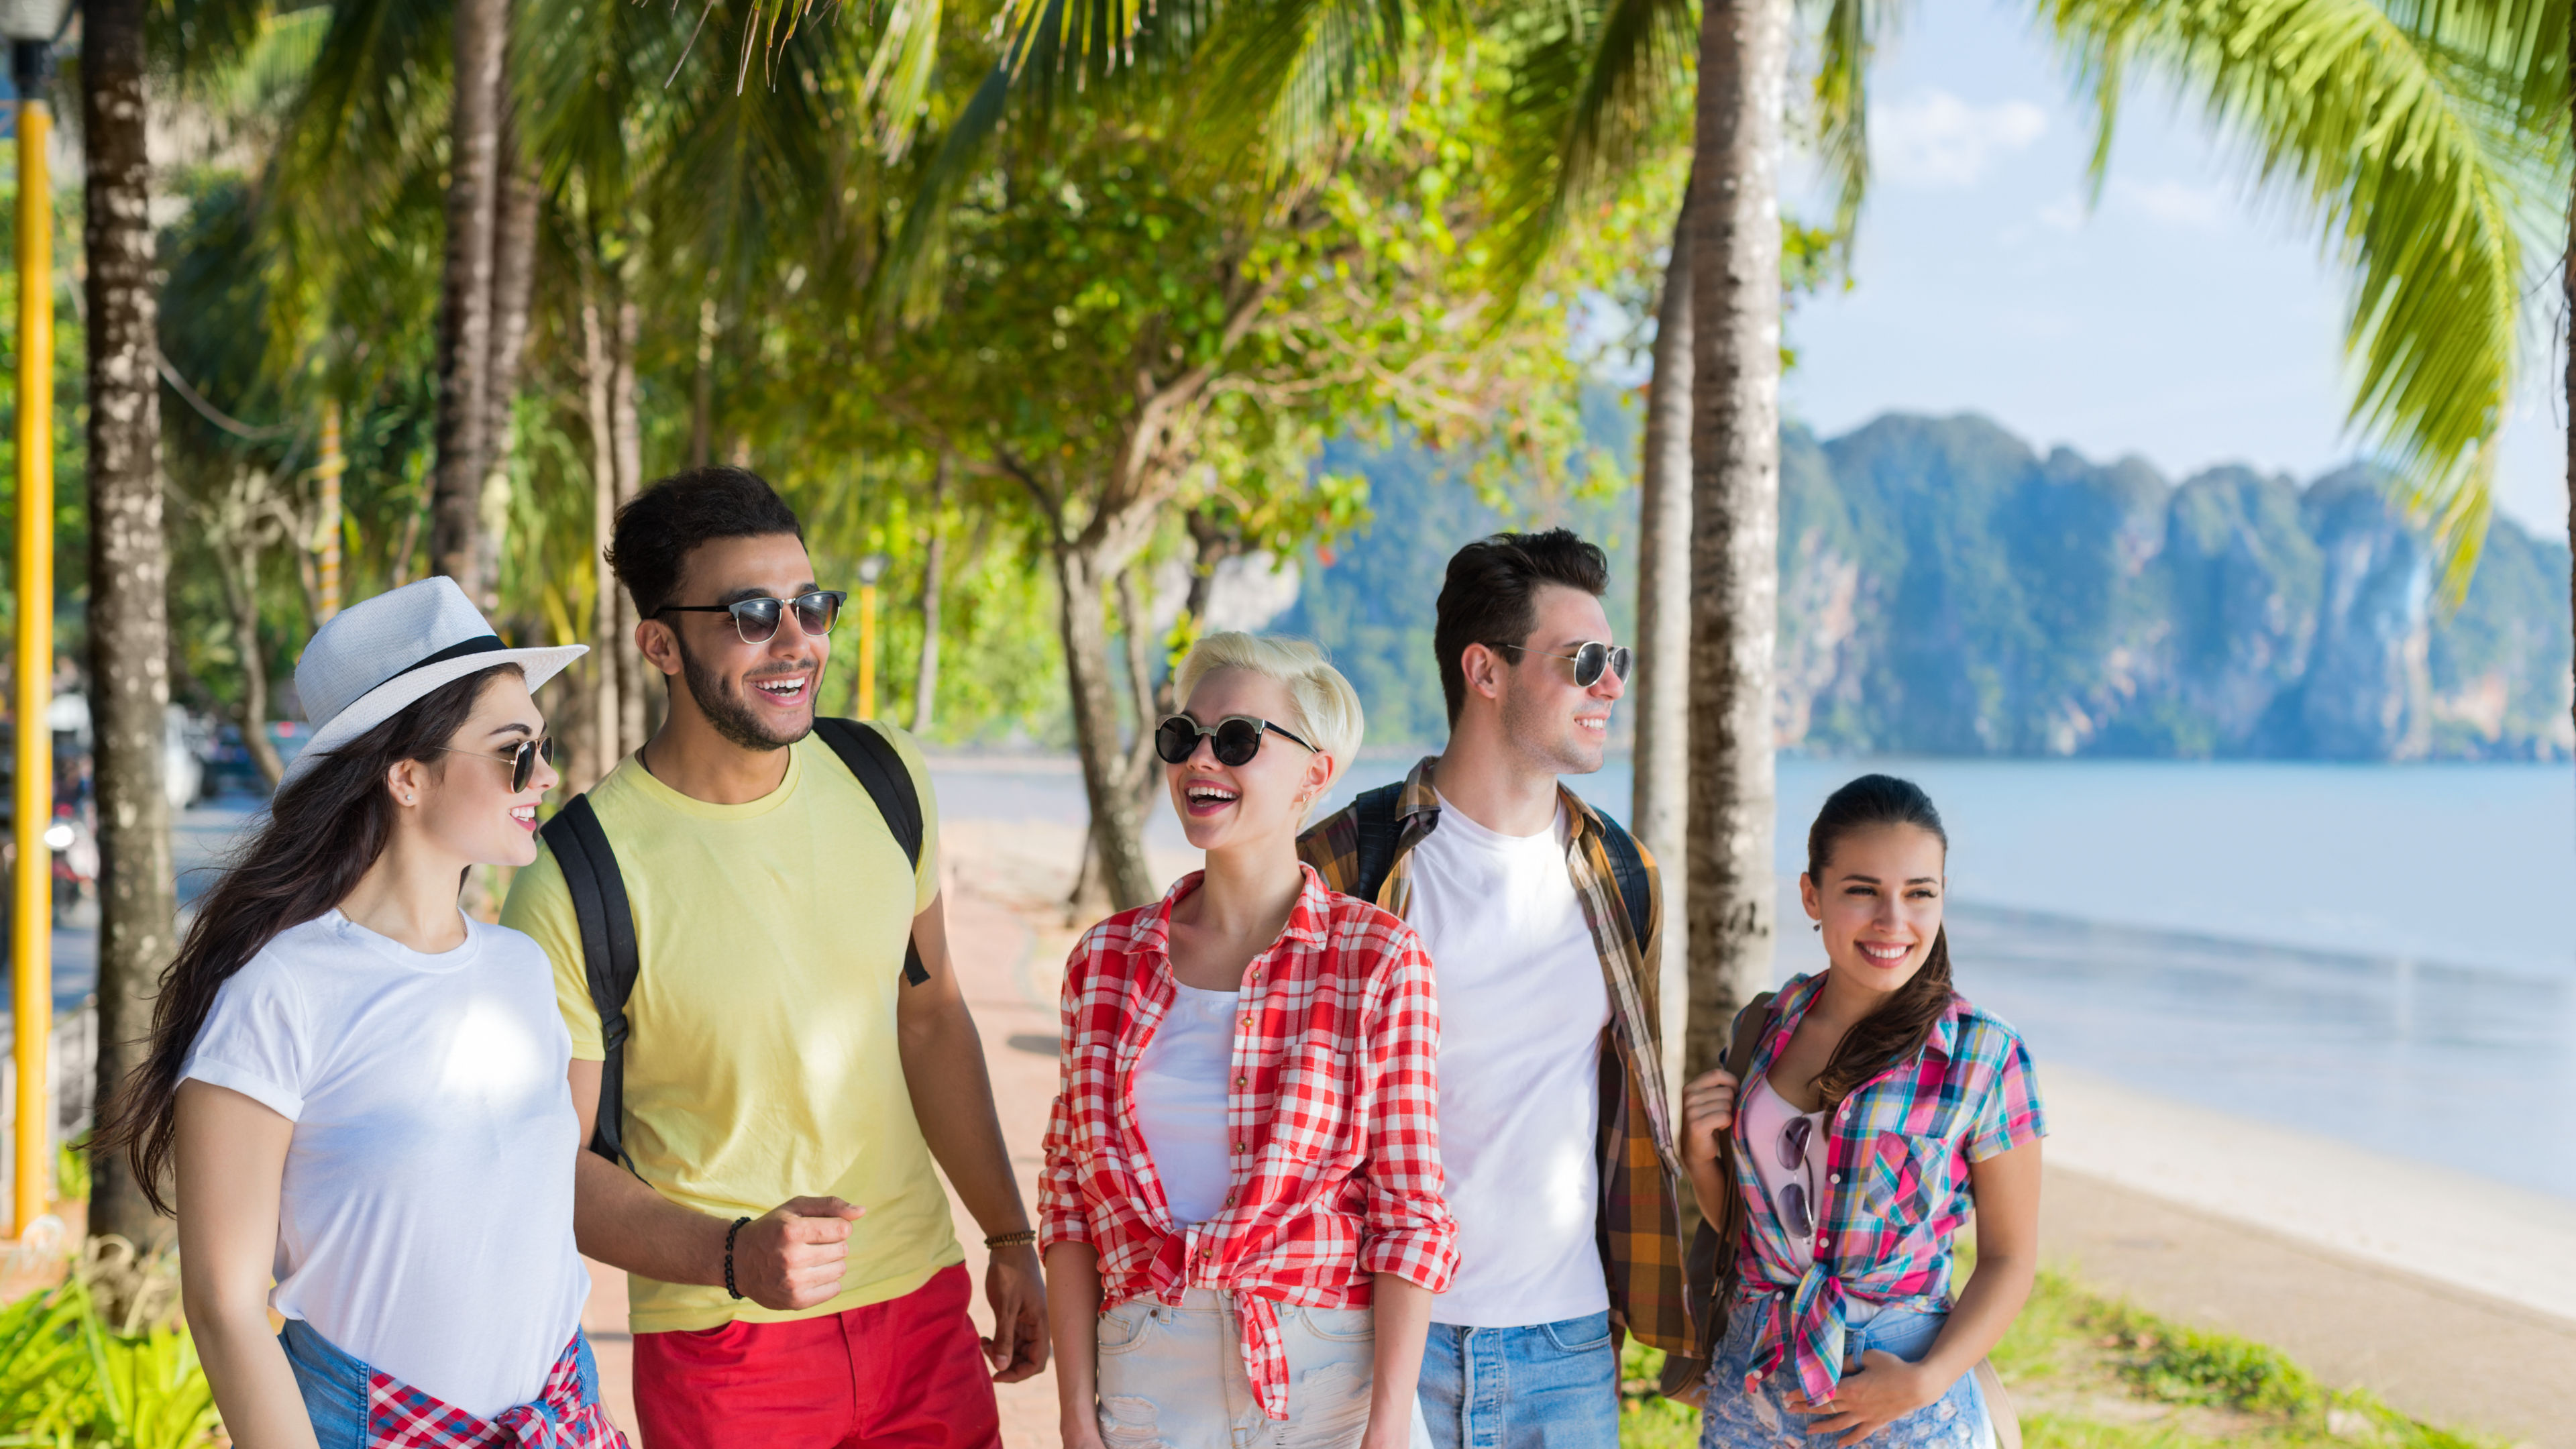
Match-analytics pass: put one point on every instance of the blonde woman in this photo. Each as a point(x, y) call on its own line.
point(1242, 1222)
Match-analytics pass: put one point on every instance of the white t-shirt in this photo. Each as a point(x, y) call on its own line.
point(1522, 1009)
point(1180, 1101)
point(1770, 1136)
point(425, 1221)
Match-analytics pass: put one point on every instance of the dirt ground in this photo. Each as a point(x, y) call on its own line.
point(2448, 1354)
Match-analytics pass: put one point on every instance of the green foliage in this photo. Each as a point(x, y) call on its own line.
point(67, 1380)
point(1647, 1420)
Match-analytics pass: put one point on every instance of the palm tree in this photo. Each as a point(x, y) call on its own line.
point(129, 570)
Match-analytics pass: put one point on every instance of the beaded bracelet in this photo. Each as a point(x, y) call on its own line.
point(729, 1232)
point(1025, 1237)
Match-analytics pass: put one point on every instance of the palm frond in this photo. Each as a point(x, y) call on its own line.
point(2405, 152)
point(1581, 105)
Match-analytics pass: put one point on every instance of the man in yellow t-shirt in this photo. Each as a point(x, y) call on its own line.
point(794, 1280)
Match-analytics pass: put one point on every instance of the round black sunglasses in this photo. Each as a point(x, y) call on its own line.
point(522, 760)
point(756, 620)
point(1237, 736)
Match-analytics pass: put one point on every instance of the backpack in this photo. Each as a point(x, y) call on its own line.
point(1373, 813)
point(608, 951)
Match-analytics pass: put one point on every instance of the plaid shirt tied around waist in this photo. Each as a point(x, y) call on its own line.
point(402, 1417)
point(1897, 1155)
point(1639, 1226)
point(1333, 1112)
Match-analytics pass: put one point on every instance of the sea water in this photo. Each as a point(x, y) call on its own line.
point(2385, 954)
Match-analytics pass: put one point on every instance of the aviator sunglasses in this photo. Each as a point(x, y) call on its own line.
point(756, 620)
point(1590, 659)
point(1238, 738)
point(522, 761)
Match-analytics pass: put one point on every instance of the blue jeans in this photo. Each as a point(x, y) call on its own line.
point(1547, 1386)
point(335, 1384)
point(1734, 1419)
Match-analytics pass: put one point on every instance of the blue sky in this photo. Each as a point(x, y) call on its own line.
point(2181, 320)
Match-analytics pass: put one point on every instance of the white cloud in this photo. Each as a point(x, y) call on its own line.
point(1937, 141)
point(2175, 203)
point(2067, 213)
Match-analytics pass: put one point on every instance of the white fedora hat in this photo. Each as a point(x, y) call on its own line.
point(373, 659)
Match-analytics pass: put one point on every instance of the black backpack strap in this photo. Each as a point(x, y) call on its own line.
point(881, 772)
point(1373, 813)
point(1628, 875)
point(608, 955)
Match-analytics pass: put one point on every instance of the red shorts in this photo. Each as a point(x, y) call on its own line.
point(904, 1374)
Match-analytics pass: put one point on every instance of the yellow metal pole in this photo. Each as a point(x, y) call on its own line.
point(31, 918)
point(327, 528)
point(867, 651)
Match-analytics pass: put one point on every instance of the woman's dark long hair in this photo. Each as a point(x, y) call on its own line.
point(320, 835)
point(1902, 1023)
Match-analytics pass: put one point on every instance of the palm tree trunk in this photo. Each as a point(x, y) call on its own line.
point(514, 270)
point(1735, 511)
point(1662, 689)
point(702, 399)
point(1117, 831)
point(925, 685)
point(238, 558)
point(627, 430)
point(465, 293)
point(608, 721)
point(129, 573)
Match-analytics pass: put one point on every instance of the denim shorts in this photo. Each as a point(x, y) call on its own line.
point(1762, 1419)
point(334, 1384)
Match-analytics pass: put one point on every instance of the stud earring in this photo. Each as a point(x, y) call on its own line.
point(1815, 925)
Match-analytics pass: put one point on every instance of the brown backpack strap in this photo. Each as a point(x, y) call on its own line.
point(1708, 1269)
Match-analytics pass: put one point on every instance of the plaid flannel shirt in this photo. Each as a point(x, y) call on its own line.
point(402, 1417)
point(1897, 1155)
point(1333, 1110)
point(1639, 1228)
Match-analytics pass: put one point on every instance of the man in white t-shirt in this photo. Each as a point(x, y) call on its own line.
point(1540, 914)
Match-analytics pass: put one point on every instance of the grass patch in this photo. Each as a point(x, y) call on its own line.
point(2090, 1372)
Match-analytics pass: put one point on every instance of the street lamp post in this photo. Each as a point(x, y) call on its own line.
point(30, 26)
point(871, 569)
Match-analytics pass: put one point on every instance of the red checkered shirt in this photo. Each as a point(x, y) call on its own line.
point(1333, 1112)
point(402, 1417)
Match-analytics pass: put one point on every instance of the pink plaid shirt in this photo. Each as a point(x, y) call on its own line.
point(1897, 1155)
point(1333, 1110)
point(402, 1417)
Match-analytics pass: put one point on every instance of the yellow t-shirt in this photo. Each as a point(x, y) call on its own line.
point(761, 1062)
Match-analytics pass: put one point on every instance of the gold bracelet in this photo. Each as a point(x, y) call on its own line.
point(1025, 1237)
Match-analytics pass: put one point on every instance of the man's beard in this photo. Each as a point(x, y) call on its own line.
point(1547, 737)
point(733, 718)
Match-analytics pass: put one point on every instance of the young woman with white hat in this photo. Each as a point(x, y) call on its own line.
point(361, 1090)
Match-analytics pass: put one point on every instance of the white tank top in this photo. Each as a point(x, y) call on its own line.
point(1788, 1150)
point(1180, 1101)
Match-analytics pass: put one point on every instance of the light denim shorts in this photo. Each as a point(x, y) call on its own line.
point(1762, 1419)
point(1173, 1377)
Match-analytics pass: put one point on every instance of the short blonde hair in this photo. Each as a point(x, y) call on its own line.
point(1325, 710)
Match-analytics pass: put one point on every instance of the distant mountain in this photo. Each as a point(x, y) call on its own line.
point(1946, 590)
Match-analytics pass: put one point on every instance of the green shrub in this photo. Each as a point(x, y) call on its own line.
point(67, 1380)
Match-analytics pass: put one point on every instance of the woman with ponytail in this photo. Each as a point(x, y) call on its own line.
point(358, 1092)
point(1876, 1108)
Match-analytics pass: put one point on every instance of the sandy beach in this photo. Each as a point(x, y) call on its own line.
point(2452, 1298)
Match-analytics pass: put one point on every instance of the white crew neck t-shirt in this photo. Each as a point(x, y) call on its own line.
point(1522, 1009)
point(1180, 1101)
point(425, 1220)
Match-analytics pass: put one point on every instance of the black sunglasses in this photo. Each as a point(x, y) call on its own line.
point(1238, 738)
point(756, 620)
point(1589, 660)
point(522, 761)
